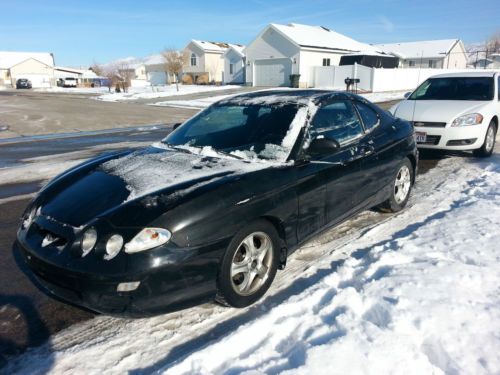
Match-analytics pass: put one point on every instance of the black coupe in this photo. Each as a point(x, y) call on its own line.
point(215, 209)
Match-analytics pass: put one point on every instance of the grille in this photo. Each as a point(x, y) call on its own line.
point(424, 124)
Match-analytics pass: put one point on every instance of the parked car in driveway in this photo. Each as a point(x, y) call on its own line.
point(455, 111)
point(215, 209)
point(23, 83)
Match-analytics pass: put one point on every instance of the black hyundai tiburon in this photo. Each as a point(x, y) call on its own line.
point(215, 209)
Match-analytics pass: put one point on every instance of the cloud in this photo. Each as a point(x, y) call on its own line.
point(386, 24)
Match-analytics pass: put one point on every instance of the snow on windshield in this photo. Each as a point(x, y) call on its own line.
point(147, 172)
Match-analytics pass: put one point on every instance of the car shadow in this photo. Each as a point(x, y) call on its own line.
point(19, 307)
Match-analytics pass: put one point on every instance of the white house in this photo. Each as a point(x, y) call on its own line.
point(281, 50)
point(38, 67)
point(442, 54)
point(234, 64)
point(205, 61)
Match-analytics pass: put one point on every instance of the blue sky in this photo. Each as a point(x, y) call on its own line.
point(80, 32)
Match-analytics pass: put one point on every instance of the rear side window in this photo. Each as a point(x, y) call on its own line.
point(368, 115)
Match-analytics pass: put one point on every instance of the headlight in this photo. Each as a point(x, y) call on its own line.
point(148, 238)
point(113, 246)
point(89, 240)
point(470, 119)
point(28, 219)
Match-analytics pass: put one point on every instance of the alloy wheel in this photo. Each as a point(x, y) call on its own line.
point(402, 184)
point(251, 263)
point(490, 139)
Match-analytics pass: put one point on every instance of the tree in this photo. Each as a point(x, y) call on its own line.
point(174, 61)
point(493, 44)
point(125, 73)
point(97, 69)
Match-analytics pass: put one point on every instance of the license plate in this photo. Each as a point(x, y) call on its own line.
point(421, 137)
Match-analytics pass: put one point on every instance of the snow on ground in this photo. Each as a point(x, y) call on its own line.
point(151, 92)
point(375, 97)
point(413, 293)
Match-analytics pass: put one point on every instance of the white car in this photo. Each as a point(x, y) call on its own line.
point(455, 111)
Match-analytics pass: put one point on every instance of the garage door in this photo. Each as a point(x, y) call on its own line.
point(273, 72)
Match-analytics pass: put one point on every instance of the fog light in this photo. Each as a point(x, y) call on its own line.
point(128, 287)
point(88, 241)
point(113, 246)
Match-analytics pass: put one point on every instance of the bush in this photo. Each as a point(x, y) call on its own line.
point(202, 79)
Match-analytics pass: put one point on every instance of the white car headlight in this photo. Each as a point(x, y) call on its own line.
point(89, 240)
point(470, 119)
point(148, 238)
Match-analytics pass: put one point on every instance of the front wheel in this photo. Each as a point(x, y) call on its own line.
point(400, 188)
point(249, 265)
point(489, 142)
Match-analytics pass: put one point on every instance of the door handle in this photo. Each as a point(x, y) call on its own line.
point(367, 149)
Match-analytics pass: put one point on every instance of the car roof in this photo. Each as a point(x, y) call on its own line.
point(487, 73)
point(289, 95)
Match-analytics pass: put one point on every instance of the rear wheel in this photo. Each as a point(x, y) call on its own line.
point(400, 188)
point(249, 265)
point(489, 142)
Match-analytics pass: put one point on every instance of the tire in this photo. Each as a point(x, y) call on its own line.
point(489, 142)
point(249, 265)
point(401, 186)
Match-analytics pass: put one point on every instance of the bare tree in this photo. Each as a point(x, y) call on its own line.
point(110, 72)
point(174, 61)
point(124, 74)
point(97, 69)
point(493, 44)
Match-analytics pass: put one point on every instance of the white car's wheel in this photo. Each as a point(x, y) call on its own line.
point(489, 142)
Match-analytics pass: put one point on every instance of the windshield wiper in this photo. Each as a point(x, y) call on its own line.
point(185, 150)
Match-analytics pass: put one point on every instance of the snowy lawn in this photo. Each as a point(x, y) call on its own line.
point(413, 293)
point(375, 97)
point(161, 91)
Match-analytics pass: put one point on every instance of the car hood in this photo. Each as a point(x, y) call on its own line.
point(436, 110)
point(123, 180)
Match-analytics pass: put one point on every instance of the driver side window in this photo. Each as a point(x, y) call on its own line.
point(337, 120)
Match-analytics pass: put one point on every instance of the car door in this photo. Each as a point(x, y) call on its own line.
point(337, 172)
point(376, 147)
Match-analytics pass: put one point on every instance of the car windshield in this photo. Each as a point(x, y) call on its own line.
point(455, 88)
point(245, 131)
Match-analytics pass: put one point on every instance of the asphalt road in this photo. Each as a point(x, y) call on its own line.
point(28, 317)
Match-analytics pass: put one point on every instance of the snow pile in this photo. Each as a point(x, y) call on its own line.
point(413, 293)
point(150, 92)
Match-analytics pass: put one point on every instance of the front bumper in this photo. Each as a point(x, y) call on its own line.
point(460, 138)
point(162, 289)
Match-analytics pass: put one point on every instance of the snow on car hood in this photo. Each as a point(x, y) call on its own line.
point(159, 167)
point(436, 110)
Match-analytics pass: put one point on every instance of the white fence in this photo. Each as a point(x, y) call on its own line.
point(373, 79)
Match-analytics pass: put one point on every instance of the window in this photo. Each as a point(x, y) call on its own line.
point(337, 120)
point(498, 88)
point(193, 60)
point(411, 63)
point(432, 63)
point(368, 115)
point(326, 62)
point(455, 88)
point(230, 68)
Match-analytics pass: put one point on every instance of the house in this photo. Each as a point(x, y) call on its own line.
point(38, 67)
point(281, 50)
point(234, 64)
point(441, 54)
point(205, 61)
point(492, 62)
point(146, 71)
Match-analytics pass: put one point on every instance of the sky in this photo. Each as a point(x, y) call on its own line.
point(82, 32)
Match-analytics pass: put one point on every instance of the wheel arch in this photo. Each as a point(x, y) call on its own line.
point(413, 161)
point(280, 228)
point(495, 120)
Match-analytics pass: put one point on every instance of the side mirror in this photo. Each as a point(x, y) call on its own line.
point(323, 145)
point(407, 94)
point(176, 125)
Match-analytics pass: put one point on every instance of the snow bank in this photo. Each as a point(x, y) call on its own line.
point(151, 92)
point(413, 293)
